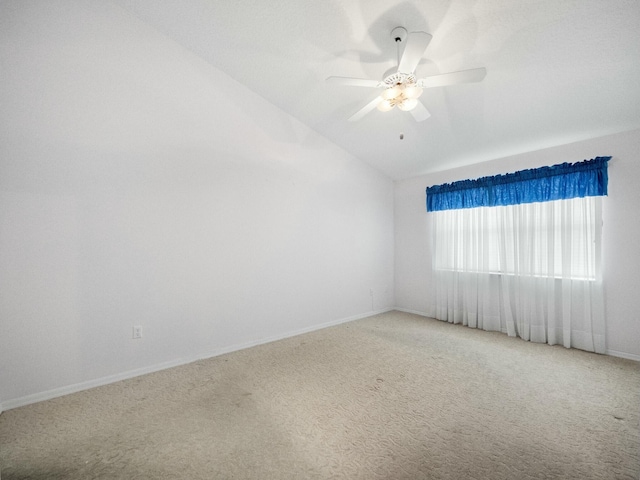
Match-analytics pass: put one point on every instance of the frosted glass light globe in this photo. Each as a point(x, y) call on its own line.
point(391, 93)
point(385, 105)
point(412, 91)
point(408, 104)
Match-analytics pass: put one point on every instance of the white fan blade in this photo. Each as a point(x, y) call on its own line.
point(366, 109)
point(420, 112)
point(354, 82)
point(417, 43)
point(463, 76)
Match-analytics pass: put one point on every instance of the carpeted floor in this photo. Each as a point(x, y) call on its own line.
point(394, 396)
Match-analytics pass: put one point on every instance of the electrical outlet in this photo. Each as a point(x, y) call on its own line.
point(137, 332)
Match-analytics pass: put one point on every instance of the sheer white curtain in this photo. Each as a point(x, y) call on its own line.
point(531, 270)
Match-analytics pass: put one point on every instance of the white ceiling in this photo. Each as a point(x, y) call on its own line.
point(558, 71)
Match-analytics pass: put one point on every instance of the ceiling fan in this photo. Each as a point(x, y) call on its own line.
point(401, 88)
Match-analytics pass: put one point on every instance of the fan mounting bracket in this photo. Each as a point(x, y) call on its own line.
point(399, 34)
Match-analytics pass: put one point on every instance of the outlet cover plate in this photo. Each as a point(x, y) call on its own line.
point(137, 332)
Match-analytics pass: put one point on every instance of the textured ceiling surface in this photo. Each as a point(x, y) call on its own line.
point(558, 71)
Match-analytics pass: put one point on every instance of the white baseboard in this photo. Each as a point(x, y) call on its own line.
point(98, 382)
point(415, 312)
point(66, 390)
point(628, 356)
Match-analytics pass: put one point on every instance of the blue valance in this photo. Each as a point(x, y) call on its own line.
point(557, 182)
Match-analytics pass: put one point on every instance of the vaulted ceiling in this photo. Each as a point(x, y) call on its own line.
point(558, 71)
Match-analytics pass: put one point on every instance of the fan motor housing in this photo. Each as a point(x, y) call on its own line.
point(399, 78)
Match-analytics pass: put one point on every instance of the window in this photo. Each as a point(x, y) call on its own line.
point(543, 239)
point(520, 253)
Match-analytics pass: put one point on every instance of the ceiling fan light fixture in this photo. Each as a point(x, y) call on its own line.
point(385, 105)
point(408, 104)
point(401, 88)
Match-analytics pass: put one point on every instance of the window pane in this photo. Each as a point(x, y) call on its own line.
point(549, 239)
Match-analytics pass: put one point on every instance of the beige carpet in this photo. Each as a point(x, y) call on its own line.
point(395, 396)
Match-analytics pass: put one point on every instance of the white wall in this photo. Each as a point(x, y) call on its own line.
point(141, 186)
point(621, 230)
